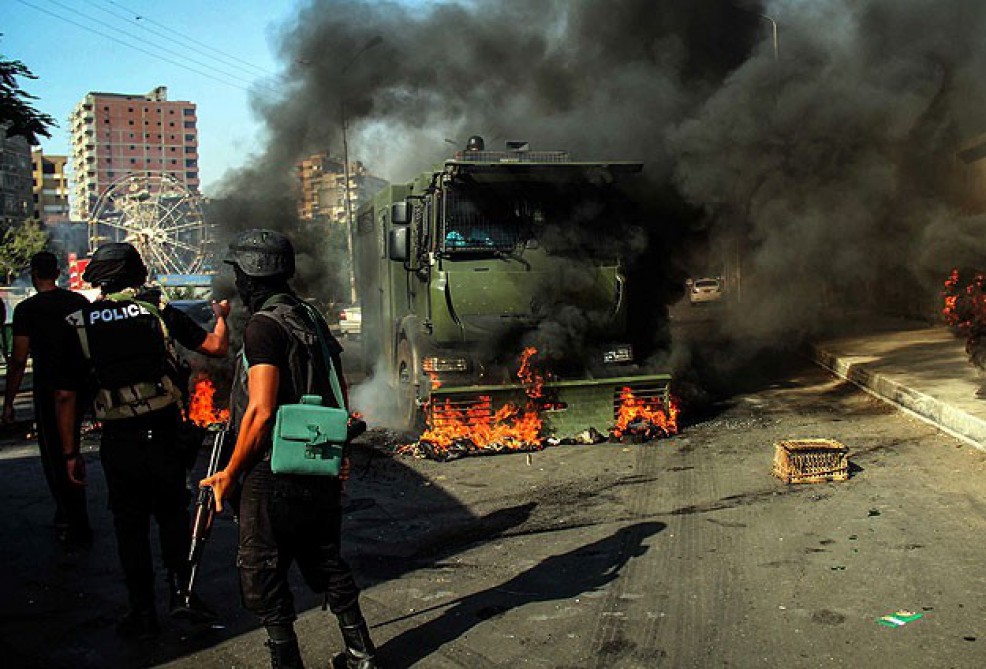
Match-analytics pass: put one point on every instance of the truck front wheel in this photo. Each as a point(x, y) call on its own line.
point(407, 393)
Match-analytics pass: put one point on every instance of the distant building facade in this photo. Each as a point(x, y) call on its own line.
point(51, 189)
point(16, 182)
point(323, 188)
point(116, 134)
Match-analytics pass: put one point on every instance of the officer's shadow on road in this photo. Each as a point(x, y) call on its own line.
point(559, 577)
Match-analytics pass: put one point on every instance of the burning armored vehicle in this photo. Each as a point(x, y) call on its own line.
point(494, 303)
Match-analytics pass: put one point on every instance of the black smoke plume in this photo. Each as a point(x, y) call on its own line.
point(826, 169)
point(603, 80)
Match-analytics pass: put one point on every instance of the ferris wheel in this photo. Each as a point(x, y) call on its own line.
point(160, 216)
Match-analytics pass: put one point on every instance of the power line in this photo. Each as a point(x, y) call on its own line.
point(140, 20)
point(186, 57)
point(135, 47)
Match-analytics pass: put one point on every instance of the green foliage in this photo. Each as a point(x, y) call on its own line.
point(17, 115)
point(17, 244)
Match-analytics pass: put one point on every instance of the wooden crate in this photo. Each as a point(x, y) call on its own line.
point(810, 461)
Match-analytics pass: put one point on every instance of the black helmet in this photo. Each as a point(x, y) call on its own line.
point(262, 253)
point(475, 143)
point(115, 263)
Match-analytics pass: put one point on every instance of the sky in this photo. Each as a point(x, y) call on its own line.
point(210, 53)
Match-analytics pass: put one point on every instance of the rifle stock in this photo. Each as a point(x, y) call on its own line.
point(205, 510)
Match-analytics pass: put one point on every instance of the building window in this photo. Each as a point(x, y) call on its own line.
point(190, 162)
point(174, 162)
point(189, 175)
point(188, 112)
point(171, 124)
point(171, 111)
point(188, 124)
point(132, 147)
point(130, 122)
point(189, 138)
point(130, 109)
point(133, 161)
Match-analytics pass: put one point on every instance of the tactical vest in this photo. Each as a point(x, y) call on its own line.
point(131, 354)
point(308, 369)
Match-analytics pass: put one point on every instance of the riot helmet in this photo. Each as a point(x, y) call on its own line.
point(475, 143)
point(117, 264)
point(262, 253)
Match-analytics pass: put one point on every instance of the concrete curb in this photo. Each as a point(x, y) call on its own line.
point(949, 419)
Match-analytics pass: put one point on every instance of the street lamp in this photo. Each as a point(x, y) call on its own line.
point(773, 27)
point(370, 43)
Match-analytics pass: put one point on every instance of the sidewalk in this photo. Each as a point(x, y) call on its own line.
point(921, 369)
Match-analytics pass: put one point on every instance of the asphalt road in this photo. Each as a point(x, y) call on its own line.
point(679, 553)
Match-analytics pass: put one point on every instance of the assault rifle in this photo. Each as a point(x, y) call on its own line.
point(205, 512)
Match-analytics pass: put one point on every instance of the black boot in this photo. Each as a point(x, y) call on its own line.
point(185, 605)
point(284, 654)
point(360, 652)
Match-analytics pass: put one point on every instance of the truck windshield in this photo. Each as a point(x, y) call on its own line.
point(498, 217)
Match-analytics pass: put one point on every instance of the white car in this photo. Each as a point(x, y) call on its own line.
point(704, 290)
point(350, 321)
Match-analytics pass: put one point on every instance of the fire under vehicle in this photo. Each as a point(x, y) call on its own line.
point(460, 268)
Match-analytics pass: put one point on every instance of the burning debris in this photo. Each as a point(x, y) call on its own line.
point(965, 314)
point(456, 430)
point(460, 429)
point(642, 419)
point(201, 407)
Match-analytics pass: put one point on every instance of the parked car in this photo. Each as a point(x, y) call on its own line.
point(350, 321)
point(704, 290)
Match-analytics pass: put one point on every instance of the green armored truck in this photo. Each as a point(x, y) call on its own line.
point(490, 254)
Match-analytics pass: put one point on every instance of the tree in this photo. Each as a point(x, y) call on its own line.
point(17, 244)
point(17, 115)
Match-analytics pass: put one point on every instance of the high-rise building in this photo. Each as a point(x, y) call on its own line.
point(323, 187)
point(116, 134)
point(16, 205)
point(310, 171)
point(50, 187)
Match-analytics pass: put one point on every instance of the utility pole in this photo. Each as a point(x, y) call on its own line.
point(370, 43)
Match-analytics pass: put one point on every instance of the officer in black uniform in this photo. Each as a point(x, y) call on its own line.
point(123, 343)
point(284, 518)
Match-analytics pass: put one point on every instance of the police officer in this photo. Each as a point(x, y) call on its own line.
point(124, 341)
point(284, 518)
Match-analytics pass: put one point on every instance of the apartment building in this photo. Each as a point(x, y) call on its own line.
point(116, 134)
point(16, 204)
point(323, 187)
point(51, 189)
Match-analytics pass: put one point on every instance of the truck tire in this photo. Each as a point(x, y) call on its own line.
point(407, 388)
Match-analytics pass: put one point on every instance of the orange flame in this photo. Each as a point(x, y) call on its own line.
point(201, 409)
point(965, 306)
point(644, 417)
point(476, 424)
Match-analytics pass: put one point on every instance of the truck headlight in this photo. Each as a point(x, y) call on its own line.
point(618, 353)
point(435, 363)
